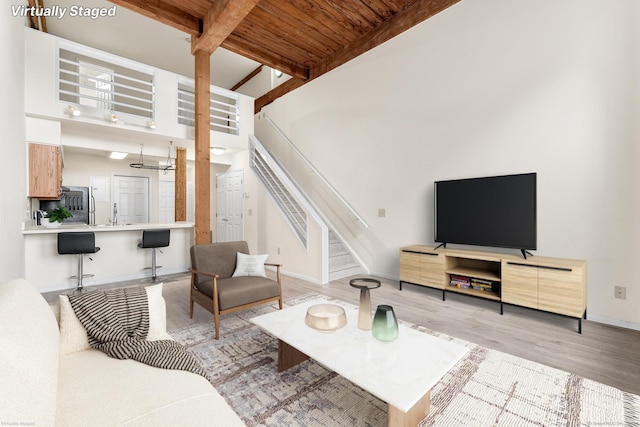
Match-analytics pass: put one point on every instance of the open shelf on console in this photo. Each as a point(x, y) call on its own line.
point(474, 268)
point(474, 292)
point(475, 272)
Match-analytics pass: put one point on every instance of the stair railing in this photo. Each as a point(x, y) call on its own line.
point(327, 202)
point(315, 171)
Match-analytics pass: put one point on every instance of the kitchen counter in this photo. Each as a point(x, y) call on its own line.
point(39, 229)
point(119, 257)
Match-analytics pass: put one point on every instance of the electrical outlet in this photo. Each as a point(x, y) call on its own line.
point(620, 292)
point(278, 251)
point(382, 213)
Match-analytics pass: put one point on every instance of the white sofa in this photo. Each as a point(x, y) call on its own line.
point(45, 381)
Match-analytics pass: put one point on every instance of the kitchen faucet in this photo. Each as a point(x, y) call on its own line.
point(115, 215)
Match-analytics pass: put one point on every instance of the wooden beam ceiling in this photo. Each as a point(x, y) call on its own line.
point(302, 38)
point(165, 13)
point(220, 21)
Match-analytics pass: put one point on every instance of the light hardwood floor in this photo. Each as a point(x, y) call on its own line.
point(603, 353)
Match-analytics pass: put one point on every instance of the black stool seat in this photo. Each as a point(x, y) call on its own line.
point(78, 243)
point(152, 239)
point(83, 242)
point(155, 238)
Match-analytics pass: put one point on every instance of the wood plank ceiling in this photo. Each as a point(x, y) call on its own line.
point(302, 38)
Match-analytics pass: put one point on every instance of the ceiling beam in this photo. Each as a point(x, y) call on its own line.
point(247, 78)
point(220, 21)
point(164, 13)
point(277, 92)
point(411, 16)
point(237, 45)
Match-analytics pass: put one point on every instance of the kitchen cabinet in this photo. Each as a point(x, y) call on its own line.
point(45, 171)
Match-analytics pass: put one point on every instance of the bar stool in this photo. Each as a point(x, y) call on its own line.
point(78, 243)
point(153, 239)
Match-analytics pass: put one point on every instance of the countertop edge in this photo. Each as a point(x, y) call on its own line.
point(35, 229)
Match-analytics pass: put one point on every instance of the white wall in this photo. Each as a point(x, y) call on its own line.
point(13, 210)
point(491, 87)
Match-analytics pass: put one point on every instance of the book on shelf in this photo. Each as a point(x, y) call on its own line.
point(459, 281)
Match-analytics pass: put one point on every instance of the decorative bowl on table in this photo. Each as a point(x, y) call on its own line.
point(325, 317)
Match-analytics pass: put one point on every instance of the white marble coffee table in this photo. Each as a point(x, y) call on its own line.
point(401, 372)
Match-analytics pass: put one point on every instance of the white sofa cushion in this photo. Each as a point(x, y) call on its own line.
point(73, 337)
point(28, 356)
point(104, 391)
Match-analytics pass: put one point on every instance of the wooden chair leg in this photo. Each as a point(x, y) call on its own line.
point(216, 319)
point(191, 296)
point(216, 307)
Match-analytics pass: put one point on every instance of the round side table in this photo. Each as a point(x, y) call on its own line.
point(364, 311)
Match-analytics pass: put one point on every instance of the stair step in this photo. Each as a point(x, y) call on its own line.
point(340, 274)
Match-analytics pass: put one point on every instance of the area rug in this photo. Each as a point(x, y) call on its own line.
point(485, 388)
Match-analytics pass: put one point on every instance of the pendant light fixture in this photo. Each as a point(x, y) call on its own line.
point(167, 166)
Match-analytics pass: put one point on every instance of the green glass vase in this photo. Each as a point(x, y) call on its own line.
point(385, 324)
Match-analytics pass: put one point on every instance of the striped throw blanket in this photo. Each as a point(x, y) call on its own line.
point(117, 323)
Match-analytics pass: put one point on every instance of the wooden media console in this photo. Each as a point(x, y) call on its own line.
point(554, 285)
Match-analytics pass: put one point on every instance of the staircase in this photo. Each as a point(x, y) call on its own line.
point(290, 208)
point(341, 263)
point(294, 206)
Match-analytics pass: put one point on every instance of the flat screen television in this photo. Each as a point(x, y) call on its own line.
point(496, 211)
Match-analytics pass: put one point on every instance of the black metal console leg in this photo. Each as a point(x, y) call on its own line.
point(501, 309)
point(400, 285)
point(443, 297)
point(580, 325)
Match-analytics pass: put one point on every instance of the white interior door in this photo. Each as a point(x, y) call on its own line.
point(229, 220)
point(191, 201)
point(166, 201)
point(131, 197)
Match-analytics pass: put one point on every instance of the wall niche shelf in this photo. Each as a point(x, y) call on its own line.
point(548, 284)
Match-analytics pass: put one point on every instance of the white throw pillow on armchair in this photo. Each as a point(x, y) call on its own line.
point(73, 336)
point(250, 265)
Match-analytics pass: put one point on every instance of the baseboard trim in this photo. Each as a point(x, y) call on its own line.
point(94, 282)
point(386, 276)
point(313, 280)
point(614, 322)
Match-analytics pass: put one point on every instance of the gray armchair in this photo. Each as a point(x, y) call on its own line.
point(214, 288)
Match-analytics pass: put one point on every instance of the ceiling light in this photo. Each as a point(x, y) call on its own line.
point(73, 111)
point(151, 124)
point(218, 151)
point(117, 155)
point(278, 73)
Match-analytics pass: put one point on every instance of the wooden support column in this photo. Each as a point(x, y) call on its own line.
point(202, 142)
point(181, 185)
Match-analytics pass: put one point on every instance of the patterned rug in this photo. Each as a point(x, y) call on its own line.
point(485, 388)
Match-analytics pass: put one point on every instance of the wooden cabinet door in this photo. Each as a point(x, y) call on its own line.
point(45, 171)
point(561, 290)
point(422, 268)
point(410, 267)
point(520, 284)
point(432, 270)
